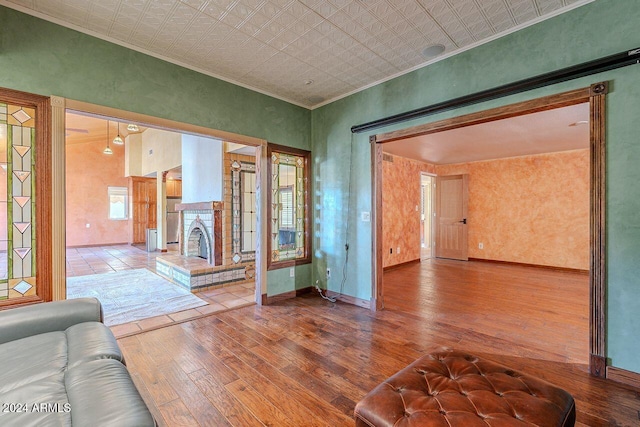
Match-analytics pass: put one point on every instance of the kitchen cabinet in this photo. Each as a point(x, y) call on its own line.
point(174, 188)
point(143, 193)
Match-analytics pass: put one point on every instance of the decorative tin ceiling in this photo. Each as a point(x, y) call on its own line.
point(307, 52)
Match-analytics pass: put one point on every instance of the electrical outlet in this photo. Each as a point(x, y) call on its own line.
point(398, 250)
point(292, 272)
point(328, 273)
point(88, 225)
point(480, 245)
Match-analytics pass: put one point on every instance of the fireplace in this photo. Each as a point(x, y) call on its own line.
point(198, 242)
point(201, 231)
point(207, 225)
point(199, 264)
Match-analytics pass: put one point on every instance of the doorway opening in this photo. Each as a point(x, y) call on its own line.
point(131, 189)
point(427, 186)
point(593, 97)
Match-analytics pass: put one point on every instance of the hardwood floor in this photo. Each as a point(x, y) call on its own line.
point(306, 361)
point(537, 310)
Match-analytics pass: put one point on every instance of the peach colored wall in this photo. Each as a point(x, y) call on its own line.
point(531, 209)
point(401, 221)
point(89, 173)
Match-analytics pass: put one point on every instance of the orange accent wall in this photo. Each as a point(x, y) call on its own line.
point(400, 219)
point(88, 174)
point(531, 209)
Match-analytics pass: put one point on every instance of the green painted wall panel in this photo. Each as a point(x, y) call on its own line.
point(281, 282)
point(623, 226)
point(40, 57)
point(601, 28)
point(44, 58)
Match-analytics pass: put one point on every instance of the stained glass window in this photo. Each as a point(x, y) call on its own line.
point(244, 212)
point(17, 209)
point(288, 207)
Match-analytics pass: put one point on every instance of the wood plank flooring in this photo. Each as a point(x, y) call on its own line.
point(306, 361)
point(534, 308)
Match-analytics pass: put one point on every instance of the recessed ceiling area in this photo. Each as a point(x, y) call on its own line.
point(560, 129)
point(277, 46)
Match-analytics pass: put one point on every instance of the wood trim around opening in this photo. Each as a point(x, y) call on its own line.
point(376, 176)
point(550, 102)
point(44, 283)
point(595, 95)
point(597, 277)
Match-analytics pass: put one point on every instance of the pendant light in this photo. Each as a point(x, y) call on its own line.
point(107, 150)
point(117, 140)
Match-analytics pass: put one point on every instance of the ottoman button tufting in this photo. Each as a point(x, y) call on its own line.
point(544, 404)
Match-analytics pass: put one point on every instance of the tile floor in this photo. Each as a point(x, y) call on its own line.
point(105, 259)
point(221, 299)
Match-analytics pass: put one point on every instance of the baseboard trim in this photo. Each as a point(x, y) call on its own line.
point(303, 291)
point(523, 264)
point(623, 376)
point(97, 245)
point(349, 299)
point(273, 299)
point(402, 264)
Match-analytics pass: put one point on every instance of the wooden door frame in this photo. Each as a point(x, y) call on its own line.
point(42, 195)
point(595, 95)
point(432, 231)
point(63, 105)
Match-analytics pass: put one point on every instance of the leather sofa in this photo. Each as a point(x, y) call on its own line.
point(61, 366)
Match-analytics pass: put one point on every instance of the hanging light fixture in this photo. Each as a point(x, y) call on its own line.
point(117, 140)
point(132, 127)
point(108, 150)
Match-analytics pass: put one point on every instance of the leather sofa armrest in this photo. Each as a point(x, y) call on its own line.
point(22, 322)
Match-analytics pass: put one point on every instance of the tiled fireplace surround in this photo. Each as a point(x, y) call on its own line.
point(215, 221)
point(201, 219)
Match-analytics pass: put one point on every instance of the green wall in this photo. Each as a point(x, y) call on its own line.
point(592, 31)
point(40, 57)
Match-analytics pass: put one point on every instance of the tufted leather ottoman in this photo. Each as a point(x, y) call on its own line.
point(455, 389)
